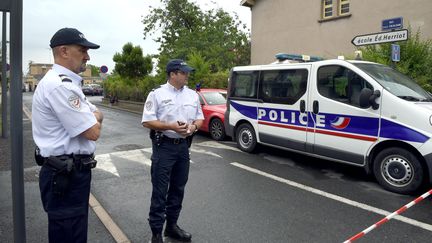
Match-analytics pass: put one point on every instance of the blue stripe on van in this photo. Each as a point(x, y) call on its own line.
point(338, 124)
point(393, 130)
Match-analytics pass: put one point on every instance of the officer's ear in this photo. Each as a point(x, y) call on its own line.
point(60, 51)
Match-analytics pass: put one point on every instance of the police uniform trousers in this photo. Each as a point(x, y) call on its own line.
point(169, 174)
point(68, 213)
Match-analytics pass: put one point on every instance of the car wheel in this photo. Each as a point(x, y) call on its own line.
point(398, 170)
point(245, 137)
point(217, 129)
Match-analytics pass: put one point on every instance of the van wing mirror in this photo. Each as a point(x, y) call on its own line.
point(368, 98)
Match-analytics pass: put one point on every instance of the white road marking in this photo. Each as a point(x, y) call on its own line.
point(105, 163)
point(27, 112)
point(202, 151)
point(214, 144)
point(335, 197)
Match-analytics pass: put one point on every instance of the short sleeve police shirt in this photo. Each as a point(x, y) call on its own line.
point(60, 113)
point(167, 104)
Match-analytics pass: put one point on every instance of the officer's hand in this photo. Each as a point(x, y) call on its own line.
point(181, 128)
point(99, 116)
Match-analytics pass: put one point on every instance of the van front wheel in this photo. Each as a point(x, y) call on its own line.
point(398, 170)
point(245, 137)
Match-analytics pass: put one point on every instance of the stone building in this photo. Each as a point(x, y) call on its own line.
point(38, 70)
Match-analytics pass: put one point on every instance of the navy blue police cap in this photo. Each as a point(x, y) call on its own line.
point(178, 64)
point(71, 36)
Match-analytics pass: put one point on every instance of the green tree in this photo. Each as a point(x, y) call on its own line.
point(94, 70)
point(131, 64)
point(222, 40)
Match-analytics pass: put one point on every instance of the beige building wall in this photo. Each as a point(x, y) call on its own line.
point(297, 27)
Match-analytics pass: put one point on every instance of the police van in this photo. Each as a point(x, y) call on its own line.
point(355, 112)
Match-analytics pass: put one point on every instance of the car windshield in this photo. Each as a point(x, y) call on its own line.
point(395, 82)
point(214, 98)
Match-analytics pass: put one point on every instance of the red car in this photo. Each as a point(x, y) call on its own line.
point(213, 103)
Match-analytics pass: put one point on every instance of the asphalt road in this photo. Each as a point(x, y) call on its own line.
point(232, 196)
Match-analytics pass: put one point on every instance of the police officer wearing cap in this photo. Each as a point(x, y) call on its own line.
point(173, 113)
point(65, 128)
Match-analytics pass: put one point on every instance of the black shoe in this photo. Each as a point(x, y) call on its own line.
point(157, 238)
point(175, 232)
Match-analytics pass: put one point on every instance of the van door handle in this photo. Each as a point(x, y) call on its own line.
point(302, 106)
point(315, 107)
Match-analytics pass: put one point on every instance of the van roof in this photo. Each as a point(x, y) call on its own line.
point(285, 65)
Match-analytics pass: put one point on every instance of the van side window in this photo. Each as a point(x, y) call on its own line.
point(244, 84)
point(283, 86)
point(341, 84)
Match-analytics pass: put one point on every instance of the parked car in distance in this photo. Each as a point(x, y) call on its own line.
point(213, 103)
point(92, 89)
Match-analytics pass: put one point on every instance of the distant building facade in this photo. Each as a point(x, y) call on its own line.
point(325, 28)
point(38, 70)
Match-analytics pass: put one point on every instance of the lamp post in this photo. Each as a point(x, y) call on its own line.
point(4, 79)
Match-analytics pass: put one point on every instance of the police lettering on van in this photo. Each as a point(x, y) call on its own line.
point(356, 112)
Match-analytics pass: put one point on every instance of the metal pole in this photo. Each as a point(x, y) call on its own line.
point(4, 80)
point(16, 121)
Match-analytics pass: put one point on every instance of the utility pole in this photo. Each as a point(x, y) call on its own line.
point(16, 117)
point(4, 79)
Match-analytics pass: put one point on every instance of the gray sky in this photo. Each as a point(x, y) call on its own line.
point(109, 23)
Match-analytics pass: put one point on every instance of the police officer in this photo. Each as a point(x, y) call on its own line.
point(65, 128)
point(173, 113)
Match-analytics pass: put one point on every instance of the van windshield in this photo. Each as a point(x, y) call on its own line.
point(395, 82)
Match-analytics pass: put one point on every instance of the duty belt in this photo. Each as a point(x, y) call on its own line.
point(173, 140)
point(81, 161)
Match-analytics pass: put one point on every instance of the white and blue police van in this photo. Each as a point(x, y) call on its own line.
point(355, 112)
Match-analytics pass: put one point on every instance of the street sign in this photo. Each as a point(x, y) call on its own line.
point(103, 69)
point(378, 38)
point(392, 24)
point(395, 53)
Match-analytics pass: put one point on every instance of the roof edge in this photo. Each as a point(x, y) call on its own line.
point(247, 3)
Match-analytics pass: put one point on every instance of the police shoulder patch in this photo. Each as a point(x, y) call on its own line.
point(74, 102)
point(149, 105)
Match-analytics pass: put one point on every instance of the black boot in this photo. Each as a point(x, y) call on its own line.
point(157, 238)
point(175, 232)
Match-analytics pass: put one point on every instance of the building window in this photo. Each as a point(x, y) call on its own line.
point(335, 8)
point(344, 7)
point(327, 9)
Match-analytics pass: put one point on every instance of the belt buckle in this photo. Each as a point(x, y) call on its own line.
point(176, 140)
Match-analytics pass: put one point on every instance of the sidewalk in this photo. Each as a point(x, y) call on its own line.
point(35, 218)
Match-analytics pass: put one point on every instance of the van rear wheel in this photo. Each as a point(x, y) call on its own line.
point(245, 137)
point(398, 170)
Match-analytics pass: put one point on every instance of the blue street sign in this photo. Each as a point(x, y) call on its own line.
point(103, 69)
point(395, 53)
point(392, 24)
